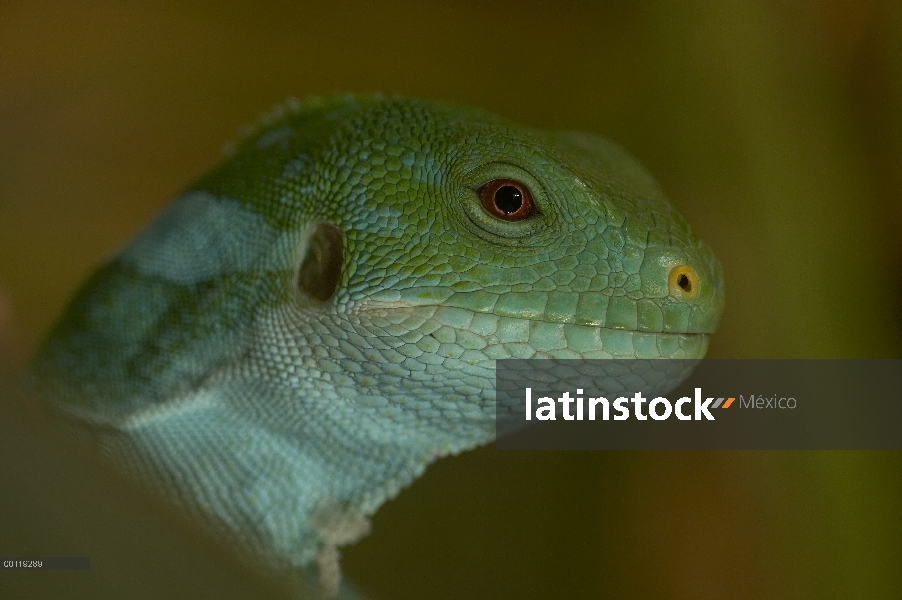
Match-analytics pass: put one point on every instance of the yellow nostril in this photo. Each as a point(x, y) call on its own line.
point(683, 282)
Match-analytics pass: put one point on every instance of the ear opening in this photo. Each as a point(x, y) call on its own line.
point(320, 269)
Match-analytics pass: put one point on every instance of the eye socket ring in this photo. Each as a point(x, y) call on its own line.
point(507, 199)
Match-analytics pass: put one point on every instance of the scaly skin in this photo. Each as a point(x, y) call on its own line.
point(283, 420)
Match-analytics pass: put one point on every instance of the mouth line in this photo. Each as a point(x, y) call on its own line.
point(403, 305)
point(602, 327)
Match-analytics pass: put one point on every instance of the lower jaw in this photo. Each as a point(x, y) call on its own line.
point(572, 341)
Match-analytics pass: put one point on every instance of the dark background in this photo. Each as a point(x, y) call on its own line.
point(775, 127)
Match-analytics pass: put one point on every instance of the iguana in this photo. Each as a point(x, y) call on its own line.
point(313, 322)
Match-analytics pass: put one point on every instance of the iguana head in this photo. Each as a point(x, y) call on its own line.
point(549, 244)
point(435, 239)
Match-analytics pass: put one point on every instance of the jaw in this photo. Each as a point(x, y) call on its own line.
point(453, 332)
point(587, 342)
point(426, 370)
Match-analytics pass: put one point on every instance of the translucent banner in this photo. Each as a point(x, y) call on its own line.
point(704, 405)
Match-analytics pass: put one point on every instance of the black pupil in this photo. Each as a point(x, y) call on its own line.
point(683, 282)
point(508, 199)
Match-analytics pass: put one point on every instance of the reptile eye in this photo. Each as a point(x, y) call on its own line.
point(507, 199)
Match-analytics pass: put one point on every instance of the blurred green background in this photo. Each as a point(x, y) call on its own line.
point(774, 126)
